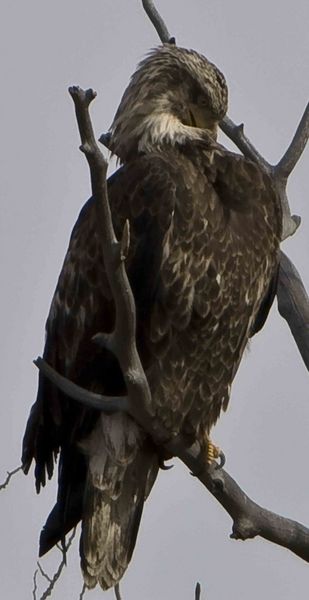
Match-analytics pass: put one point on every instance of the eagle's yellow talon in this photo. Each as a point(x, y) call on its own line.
point(213, 453)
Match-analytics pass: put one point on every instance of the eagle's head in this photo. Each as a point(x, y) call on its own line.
point(174, 97)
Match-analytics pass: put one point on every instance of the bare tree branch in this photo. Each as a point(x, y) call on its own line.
point(157, 21)
point(249, 519)
point(9, 475)
point(236, 132)
point(107, 403)
point(293, 305)
point(117, 591)
point(288, 161)
point(114, 253)
point(237, 135)
point(83, 591)
point(278, 173)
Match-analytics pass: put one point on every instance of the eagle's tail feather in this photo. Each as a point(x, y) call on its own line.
point(118, 483)
point(68, 509)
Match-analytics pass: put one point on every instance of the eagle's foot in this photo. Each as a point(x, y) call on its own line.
point(163, 466)
point(213, 453)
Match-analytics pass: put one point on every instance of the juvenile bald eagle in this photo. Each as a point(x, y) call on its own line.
point(203, 260)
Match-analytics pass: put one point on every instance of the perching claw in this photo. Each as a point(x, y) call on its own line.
point(163, 466)
point(222, 460)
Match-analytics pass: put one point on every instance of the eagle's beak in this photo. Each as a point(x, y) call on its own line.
point(200, 117)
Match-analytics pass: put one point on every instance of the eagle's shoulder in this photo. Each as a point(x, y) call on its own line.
point(241, 182)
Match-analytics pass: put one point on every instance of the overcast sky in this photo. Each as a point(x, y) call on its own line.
point(262, 48)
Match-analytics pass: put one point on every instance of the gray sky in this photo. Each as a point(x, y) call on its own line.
point(184, 536)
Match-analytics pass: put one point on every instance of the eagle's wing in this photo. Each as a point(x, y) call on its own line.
point(144, 193)
point(266, 305)
point(238, 180)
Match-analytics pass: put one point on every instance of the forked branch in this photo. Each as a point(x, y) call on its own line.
point(114, 253)
point(56, 576)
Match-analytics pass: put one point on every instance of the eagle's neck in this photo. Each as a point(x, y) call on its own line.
point(156, 132)
point(165, 129)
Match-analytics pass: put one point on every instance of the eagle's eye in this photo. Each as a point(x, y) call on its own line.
point(202, 101)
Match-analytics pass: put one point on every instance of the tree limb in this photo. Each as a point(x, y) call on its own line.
point(157, 21)
point(249, 519)
point(289, 160)
point(117, 591)
point(279, 172)
point(293, 305)
point(236, 133)
point(114, 253)
point(107, 403)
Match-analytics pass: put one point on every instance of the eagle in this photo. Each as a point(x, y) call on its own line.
point(203, 261)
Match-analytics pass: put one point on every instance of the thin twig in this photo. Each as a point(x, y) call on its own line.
point(53, 580)
point(35, 586)
point(43, 573)
point(9, 475)
point(83, 591)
